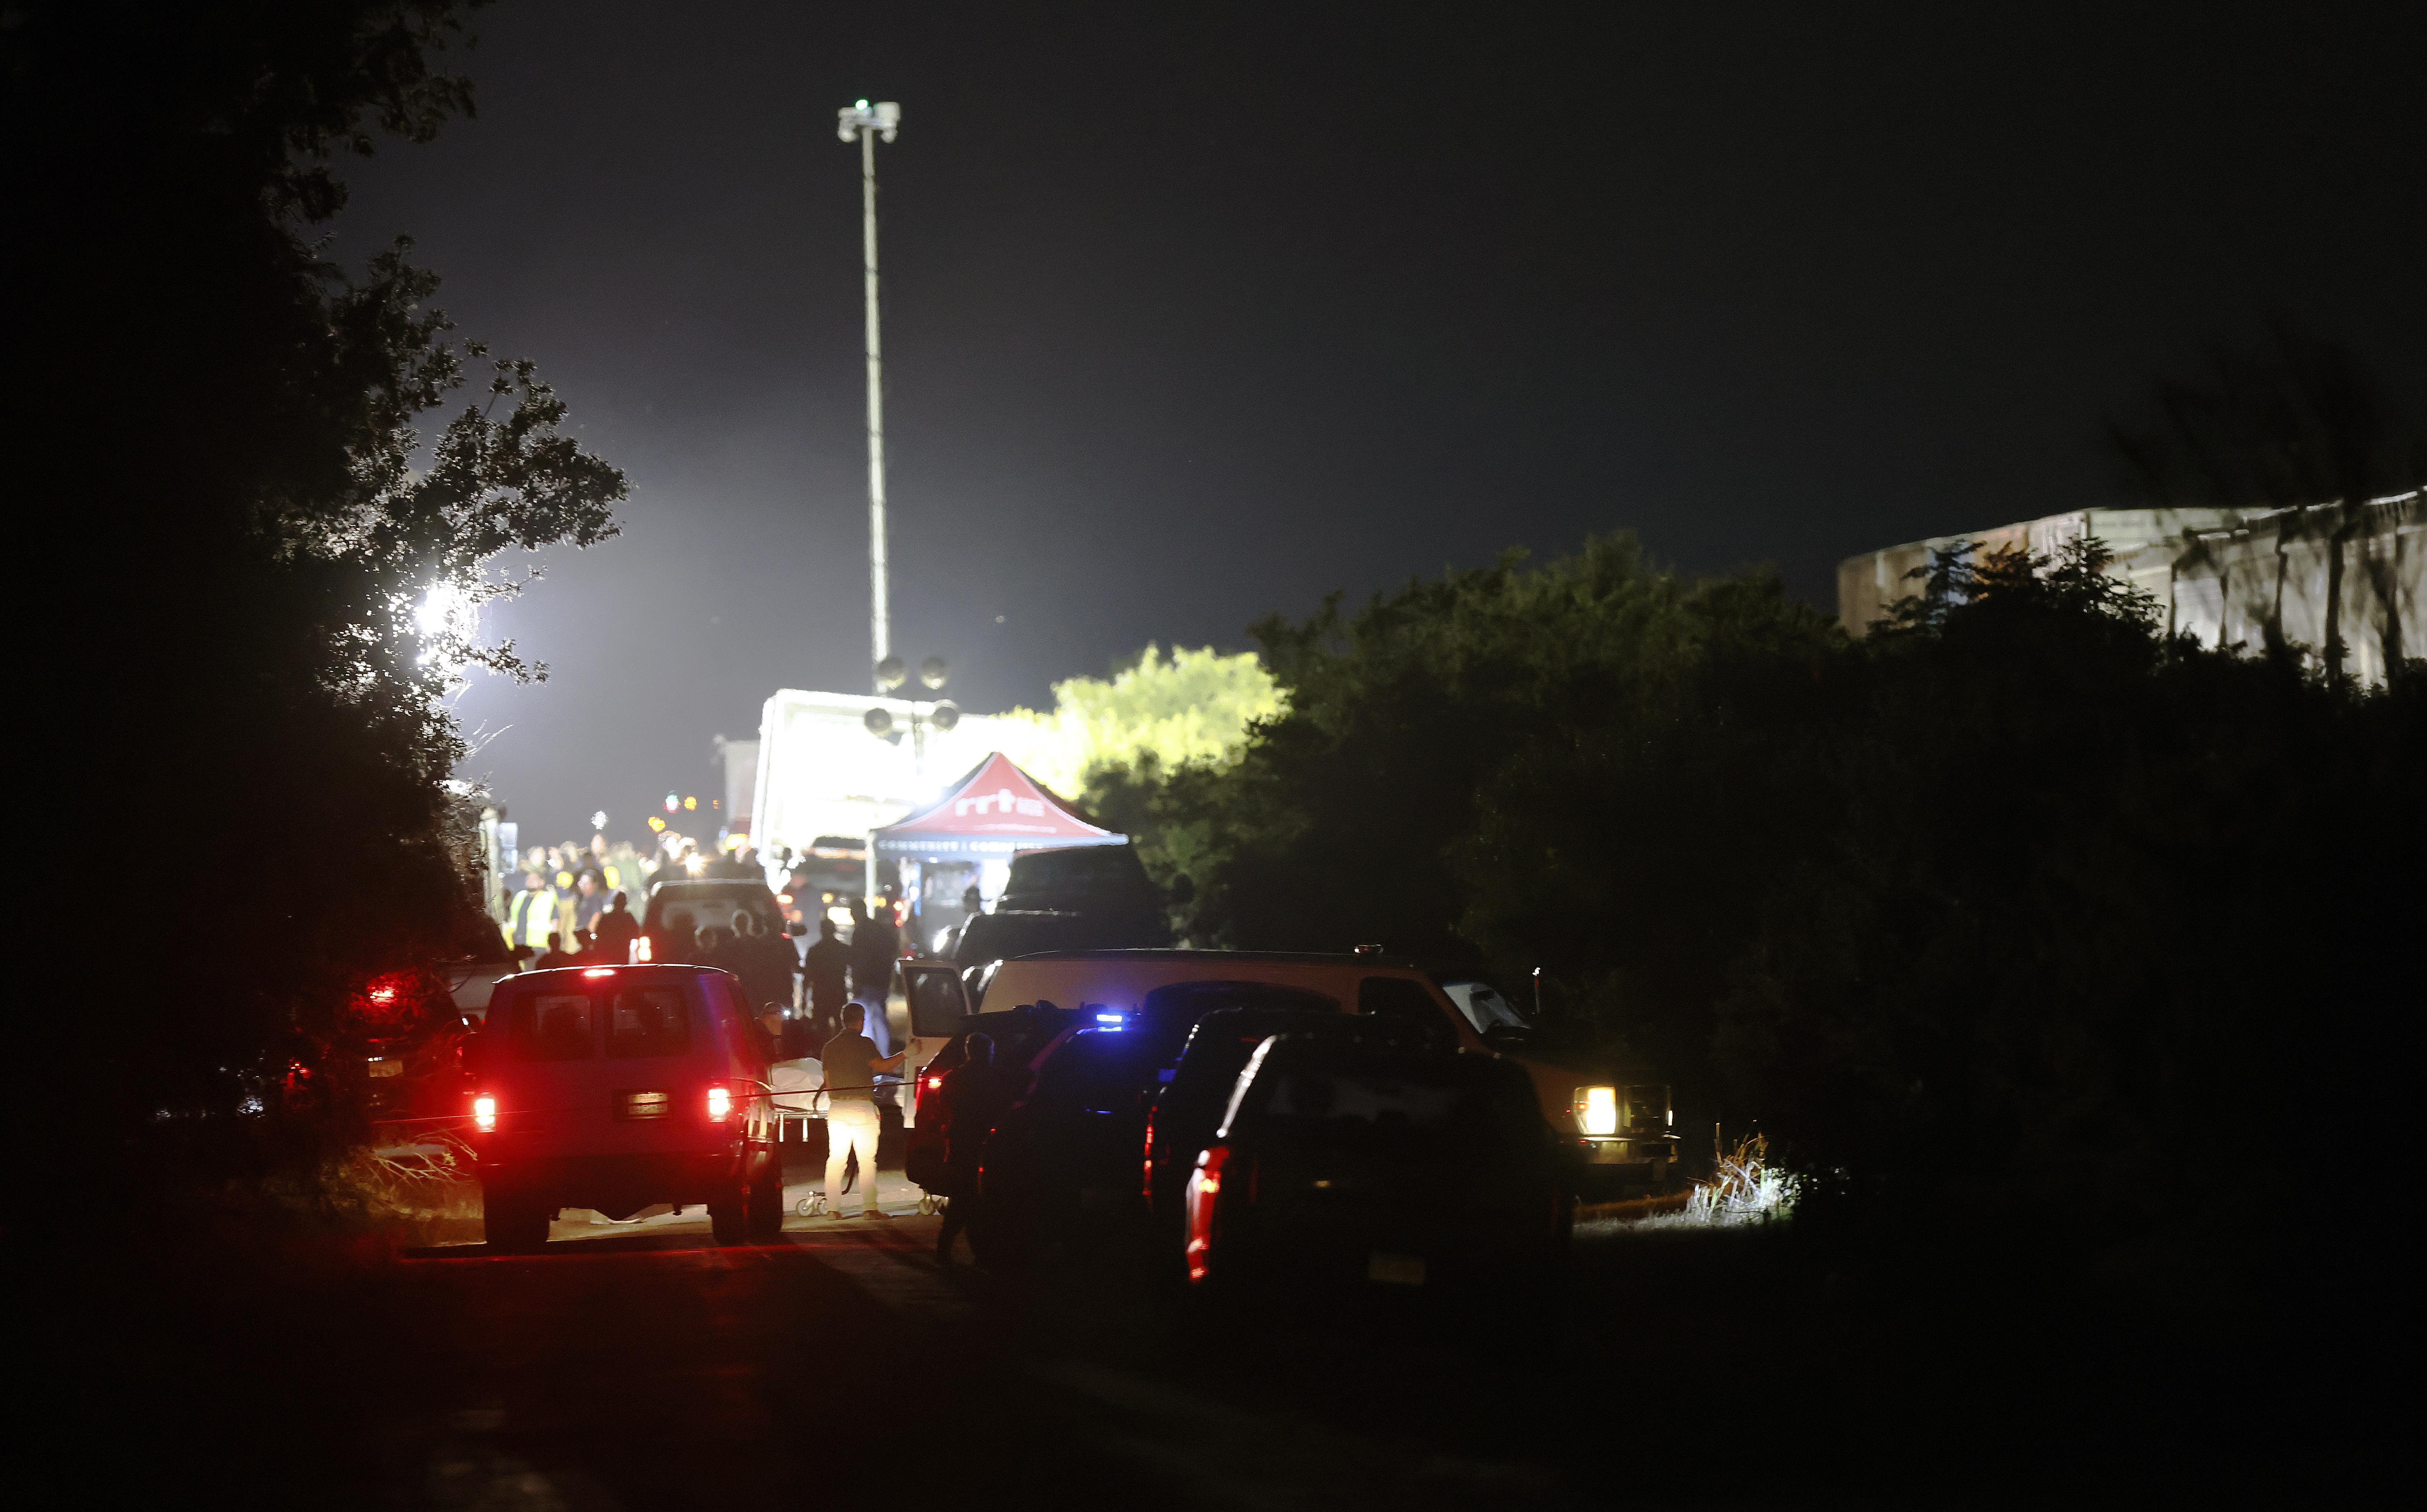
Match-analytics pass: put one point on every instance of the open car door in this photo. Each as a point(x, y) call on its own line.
point(939, 1003)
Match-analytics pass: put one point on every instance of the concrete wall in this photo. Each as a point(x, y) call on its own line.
point(2223, 577)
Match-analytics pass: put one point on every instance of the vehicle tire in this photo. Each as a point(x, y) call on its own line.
point(515, 1225)
point(766, 1223)
point(729, 1222)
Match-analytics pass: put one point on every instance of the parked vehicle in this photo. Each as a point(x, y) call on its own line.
point(469, 984)
point(1064, 1164)
point(1073, 898)
point(824, 880)
point(1007, 932)
point(1341, 1161)
point(1615, 1115)
point(621, 1087)
point(679, 910)
point(1098, 879)
point(1190, 1106)
point(1020, 1037)
point(413, 1067)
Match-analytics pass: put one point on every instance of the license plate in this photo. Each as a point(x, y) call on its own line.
point(387, 1068)
point(1395, 1270)
point(644, 1104)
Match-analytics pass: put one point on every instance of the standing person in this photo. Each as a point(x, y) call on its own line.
point(875, 946)
point(589, 900)
point(970, 1103)
point(856, 909)
point(777, 963)
point(615, 929)
point(763, 964)
point(531, 912)
point(851, 1065)
point(567, 901)
point(556, 954)
point(827, 965)
point(972, 904)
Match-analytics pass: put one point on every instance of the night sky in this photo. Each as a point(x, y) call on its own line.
point(1195, 314)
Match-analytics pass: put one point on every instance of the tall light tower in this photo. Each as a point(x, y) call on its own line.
point(863, 122)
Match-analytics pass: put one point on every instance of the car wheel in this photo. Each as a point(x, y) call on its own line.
point(515, 1225)
point(766, 1224)
point(729, 1222)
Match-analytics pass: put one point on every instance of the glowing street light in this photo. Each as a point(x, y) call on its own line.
point(863, 122)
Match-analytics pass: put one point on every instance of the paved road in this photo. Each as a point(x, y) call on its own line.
point(633, 1366)
point(641, 1367)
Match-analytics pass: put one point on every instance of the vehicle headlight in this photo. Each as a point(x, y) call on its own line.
point(1597, 1110)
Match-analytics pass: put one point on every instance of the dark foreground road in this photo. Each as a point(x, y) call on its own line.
point(844, 1368)
point(845, 1365)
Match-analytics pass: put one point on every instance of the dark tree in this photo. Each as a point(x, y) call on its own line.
point(253, 478)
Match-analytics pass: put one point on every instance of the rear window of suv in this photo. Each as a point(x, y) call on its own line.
point(650, 1021)
point(641, 1023)
point(552, 1025)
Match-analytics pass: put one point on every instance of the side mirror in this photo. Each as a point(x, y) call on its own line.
point(1507, 1037)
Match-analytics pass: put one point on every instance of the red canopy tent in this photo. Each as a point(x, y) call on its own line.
point(989, 815)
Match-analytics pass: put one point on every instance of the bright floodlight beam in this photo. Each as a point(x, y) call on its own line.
point(863, 122)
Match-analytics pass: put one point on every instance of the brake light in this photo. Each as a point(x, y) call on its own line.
point(599, 971)
point(640, 952)
point(720, 1105)
point(1204, 1186)
point(484, 1113)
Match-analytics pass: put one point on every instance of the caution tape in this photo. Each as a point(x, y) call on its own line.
point(764, 1090)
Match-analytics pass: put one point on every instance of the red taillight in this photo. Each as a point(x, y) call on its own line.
point(599, 971)
point(485, 1112)
point(1204, 1187)
point(720, 1105)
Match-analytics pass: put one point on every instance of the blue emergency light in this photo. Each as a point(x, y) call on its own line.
point(1111, 1020)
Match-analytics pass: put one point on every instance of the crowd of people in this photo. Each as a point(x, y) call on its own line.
point(568, 891)
point(575, 907)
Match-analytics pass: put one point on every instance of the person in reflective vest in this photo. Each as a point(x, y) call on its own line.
point(531, 914)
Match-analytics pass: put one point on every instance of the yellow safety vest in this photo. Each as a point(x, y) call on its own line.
point(530, 917)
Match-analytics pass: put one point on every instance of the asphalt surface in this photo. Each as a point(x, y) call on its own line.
point(639, 1365)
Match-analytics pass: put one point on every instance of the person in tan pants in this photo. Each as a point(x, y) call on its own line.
point(851, 1065)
